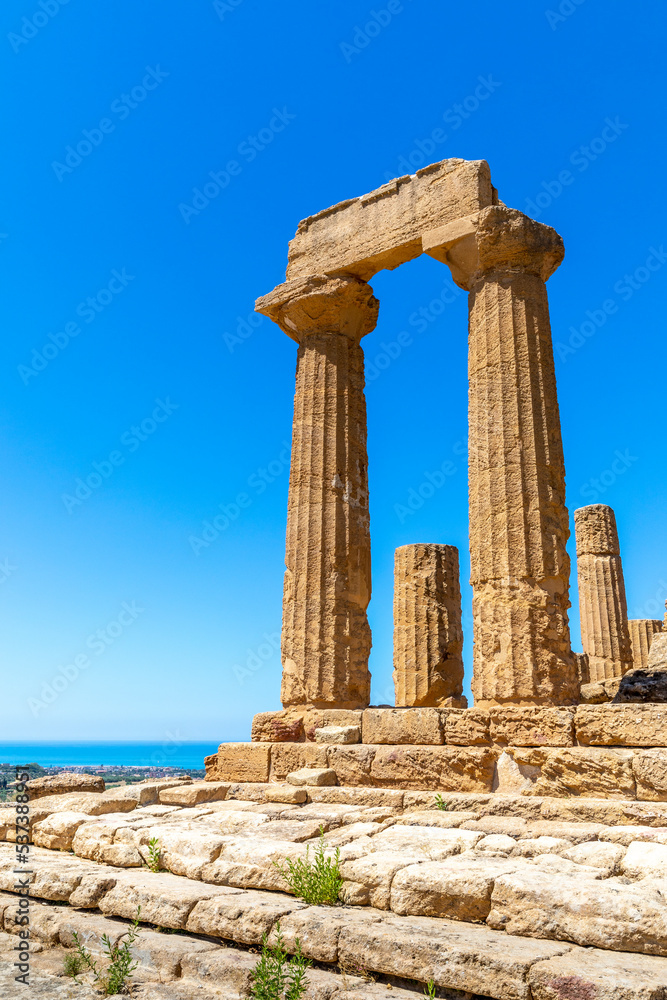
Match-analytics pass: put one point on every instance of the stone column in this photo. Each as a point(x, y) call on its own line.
point(326, 638)
point(518, 519)
point(602, 605)
point(642, 631)
point(428, 639)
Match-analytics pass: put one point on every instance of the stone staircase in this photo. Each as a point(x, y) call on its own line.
point(505, 896)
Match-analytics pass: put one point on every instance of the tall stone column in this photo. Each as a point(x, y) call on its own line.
point(602, 605)
point(326, 639)
point(518, 519)
point(428, 639)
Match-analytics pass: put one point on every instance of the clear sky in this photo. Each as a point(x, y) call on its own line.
point(131, 358)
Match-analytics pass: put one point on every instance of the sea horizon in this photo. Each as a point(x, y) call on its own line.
point(105, 753)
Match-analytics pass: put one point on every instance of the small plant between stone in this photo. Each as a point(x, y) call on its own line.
point(441, 804)
point(154, 852)
point(115, 978)
point(277, 977)
point(315, 881)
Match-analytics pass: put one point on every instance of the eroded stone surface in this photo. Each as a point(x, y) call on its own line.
point(603, 608)
point(428, 637)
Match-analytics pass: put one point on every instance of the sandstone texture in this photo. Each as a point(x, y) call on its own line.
point(383, 229)
point(66, 781)
point(649, 684)
point(428, 637)
point(602, 603)
point(326, 638)
point(518, 519)
point(642, 631)
point(395, 725)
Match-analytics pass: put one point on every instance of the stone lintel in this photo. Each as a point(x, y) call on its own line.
point(384, 228)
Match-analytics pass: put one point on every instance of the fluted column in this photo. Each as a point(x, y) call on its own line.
point(641, 632)
point(602, 605)
point(518, 519)
point(428, 640)
point(326, 639)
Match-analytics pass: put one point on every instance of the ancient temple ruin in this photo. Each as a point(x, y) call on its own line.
point(525, 671)
point(515, 849)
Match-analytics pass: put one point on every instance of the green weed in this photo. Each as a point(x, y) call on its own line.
point(277, 977)
point(315, 881)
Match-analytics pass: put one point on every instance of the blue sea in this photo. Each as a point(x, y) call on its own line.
point(166, 754)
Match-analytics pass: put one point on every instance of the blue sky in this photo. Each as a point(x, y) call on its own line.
point(131, 356)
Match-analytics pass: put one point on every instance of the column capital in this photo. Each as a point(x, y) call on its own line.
point(495, 240)
point(321, 304)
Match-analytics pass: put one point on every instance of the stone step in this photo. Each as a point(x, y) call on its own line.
point(603, 771)
point(471, 958)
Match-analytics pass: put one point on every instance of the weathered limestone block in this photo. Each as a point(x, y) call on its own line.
point(531, 726)
point(402, 725)
point(326, 638)
point(467, 727)
point(221, 915)
point(61, 784)
point(459, 889)
point(583, 771)
point(599, 913)
point(194, 794)
point(166, 900)
point(418, 767)
point(650, 769)
point(453, 954)
point(642, 631)
point(57, 830)
point(288, 757)
point(383, 229)
point(312, 776)
point(593, 974)
point(598, 854)
point(429, 842)
point(428, 637)
point(602, 603)
point(277, 727)
point(621, 725)
point(645, 860)
point(518, 519)
point(649, 684)
point(338, 734)
point(239, 762)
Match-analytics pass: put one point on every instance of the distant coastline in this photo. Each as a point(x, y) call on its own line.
point(105, 753)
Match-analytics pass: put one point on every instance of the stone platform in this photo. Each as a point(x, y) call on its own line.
point(614, 751)
point(510, 897)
